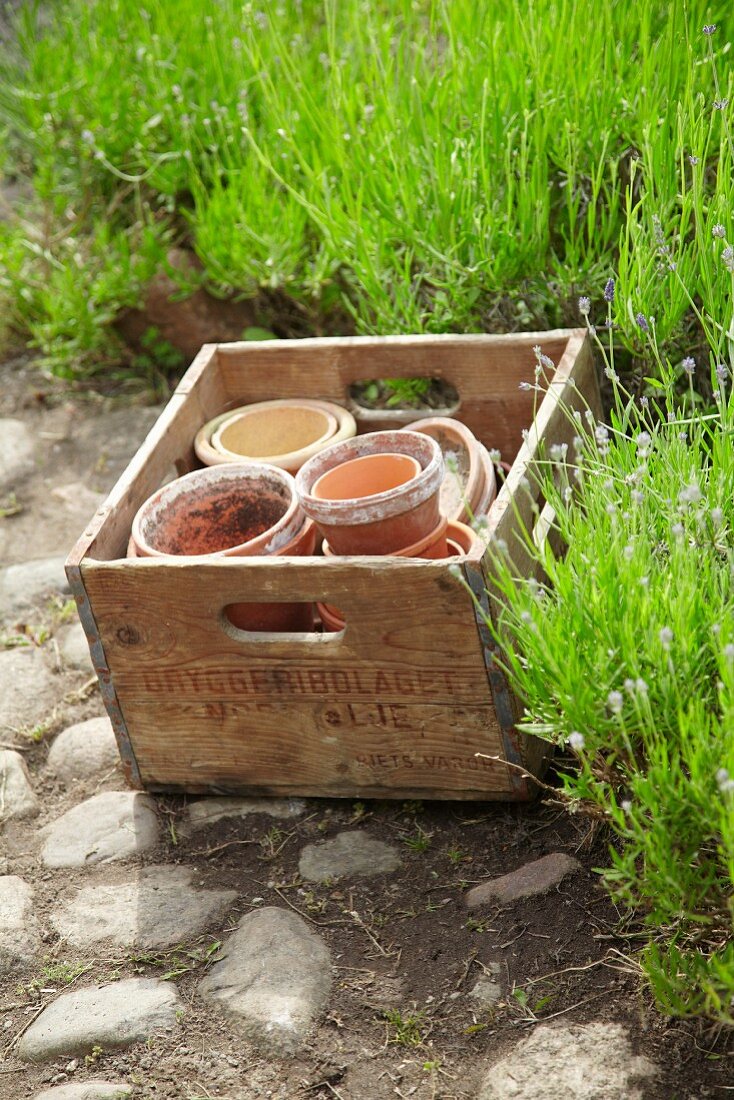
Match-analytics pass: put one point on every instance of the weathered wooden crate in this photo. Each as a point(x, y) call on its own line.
point(399, 703)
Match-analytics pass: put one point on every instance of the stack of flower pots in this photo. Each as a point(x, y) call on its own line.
point(405, 493)
point(283, 433)
point(381, 493)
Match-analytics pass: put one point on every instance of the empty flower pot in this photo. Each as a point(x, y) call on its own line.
point(377, 518)
point(331, 618)
point(284, 433)
point(432, 546)
point(468, 486)
point(366, 476)
point(235, 510)
point(460, 539)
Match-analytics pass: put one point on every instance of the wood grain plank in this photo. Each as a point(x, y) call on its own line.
point(331, 745)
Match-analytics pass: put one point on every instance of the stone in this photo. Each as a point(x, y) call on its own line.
point(24, 585)
point(110, 826)
point(526, 882)
point(19, 931)
point(74, 648)
point(156, 908)
point(16, 454)
point(355, 853)
point(28, 692)
point(78, 497)
point(190, 322)
point(88, 1090)
point(83, 751)
point(488, 990)
point(208, 810)
point(576, 1062)
point(273, 978)
point(17, 799)
point(110, 1016)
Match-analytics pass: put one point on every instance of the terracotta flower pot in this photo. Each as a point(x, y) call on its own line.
point(470, 486)
point(381, 521)
point(432, 546)
point(235, 511)
point(460, 539)
point(284, 433)
point(490, 485)
point(392, 419)
point(330, 617)
point(366, 476)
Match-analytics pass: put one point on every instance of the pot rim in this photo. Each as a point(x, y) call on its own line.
point(380, 506)
point(475, 482)
point(283, 458)
point(346, 427)
point(268, 542)
point(413, 463)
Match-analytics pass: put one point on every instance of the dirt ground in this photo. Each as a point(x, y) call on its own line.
point(406, 950)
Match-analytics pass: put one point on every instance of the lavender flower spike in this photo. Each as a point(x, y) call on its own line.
point(609, 291)
point(584, 305)
point(709, 29)
point(689, 364)
point(642, 322)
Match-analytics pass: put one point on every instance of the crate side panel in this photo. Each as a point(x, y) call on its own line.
point(326, 743)
point(400, 698)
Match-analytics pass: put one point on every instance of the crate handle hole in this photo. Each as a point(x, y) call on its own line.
point(421, 395)
point(276, 621)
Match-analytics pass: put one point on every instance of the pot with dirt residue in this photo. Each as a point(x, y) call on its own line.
point(236, 510)
point(359, 515)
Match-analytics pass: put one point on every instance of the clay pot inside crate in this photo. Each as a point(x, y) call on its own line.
point(469, 486)
point(238, 510)
point(382, 517)
point(284, 433)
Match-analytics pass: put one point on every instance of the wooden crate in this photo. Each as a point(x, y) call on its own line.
point(400, 703)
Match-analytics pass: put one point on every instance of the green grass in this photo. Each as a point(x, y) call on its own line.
point(625, 654)
point(416, 165)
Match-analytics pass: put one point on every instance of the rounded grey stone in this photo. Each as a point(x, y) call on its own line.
point(354, 853)
point(487, 992)
point(110, 826)
point(206, 811)
point(17, 799)
point(156, 908)
point(74, 649)
point(273, 978)
point(28, 691)
point(107, 1016)
point(25, 584)
point(16, 453)
point(577, 1062)
point(87, 1090)
point(19, 932)
point(83, 751)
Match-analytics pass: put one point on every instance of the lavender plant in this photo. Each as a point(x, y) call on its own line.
point(624, 655)
point(420, 166)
